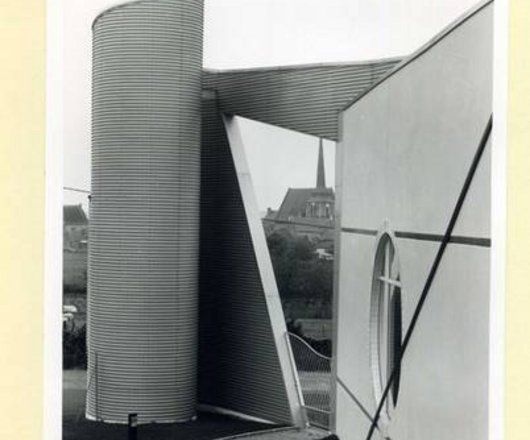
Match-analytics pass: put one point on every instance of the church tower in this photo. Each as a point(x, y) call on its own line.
point(321, 173)
point(321, 203)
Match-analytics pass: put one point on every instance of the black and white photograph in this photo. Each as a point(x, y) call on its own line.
point(277, 220)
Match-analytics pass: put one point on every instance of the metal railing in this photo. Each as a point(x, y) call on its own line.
point(314, 372)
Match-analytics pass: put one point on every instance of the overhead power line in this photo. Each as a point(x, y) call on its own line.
point(69, 188)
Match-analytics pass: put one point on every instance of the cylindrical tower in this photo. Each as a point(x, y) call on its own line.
point(144, 213)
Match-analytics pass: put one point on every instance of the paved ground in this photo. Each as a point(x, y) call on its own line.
point(206, 427)
point(283, 434)
point(76, 427)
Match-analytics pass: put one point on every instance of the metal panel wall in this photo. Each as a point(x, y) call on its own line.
point(144, 227)
point(407, 146)
point(302, 98)
point(239, 363)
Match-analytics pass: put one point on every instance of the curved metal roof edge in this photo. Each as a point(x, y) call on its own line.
point(304, 65)
point(263, 68)
point(455, 24)
point(113, 8)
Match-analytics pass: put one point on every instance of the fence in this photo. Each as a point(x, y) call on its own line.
point(314, 371)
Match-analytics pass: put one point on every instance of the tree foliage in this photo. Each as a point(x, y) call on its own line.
point(74, 348)
point(301, 275)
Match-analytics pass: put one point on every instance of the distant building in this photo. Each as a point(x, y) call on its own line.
point(75, 227)
point(307, 211)
point(75, 235)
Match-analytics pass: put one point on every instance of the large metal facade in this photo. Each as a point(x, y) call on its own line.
point(144, 227)
point(144, 265)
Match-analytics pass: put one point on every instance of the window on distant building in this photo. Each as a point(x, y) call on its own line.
point(386, 322)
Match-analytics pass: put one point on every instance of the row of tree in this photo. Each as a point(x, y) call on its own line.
point(305, 281)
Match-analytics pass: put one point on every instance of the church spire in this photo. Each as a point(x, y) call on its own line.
point(321, 175)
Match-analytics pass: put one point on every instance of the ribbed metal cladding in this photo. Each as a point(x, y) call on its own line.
point(144, 213)
point(239, 367)
point(302, 98)
point(239, 364)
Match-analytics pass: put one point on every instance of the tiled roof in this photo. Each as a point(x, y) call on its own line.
point(74, 215)
point(294, 203)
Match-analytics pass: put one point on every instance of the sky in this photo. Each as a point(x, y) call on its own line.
point(252, 33)
point(292, 159)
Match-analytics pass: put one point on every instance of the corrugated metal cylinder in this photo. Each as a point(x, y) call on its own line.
point(144, 214)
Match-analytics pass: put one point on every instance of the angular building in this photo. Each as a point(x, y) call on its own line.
point(184, 310)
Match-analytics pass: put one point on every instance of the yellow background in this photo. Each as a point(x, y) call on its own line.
point(518, 224)
point(22, 146)
point(22, 137)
